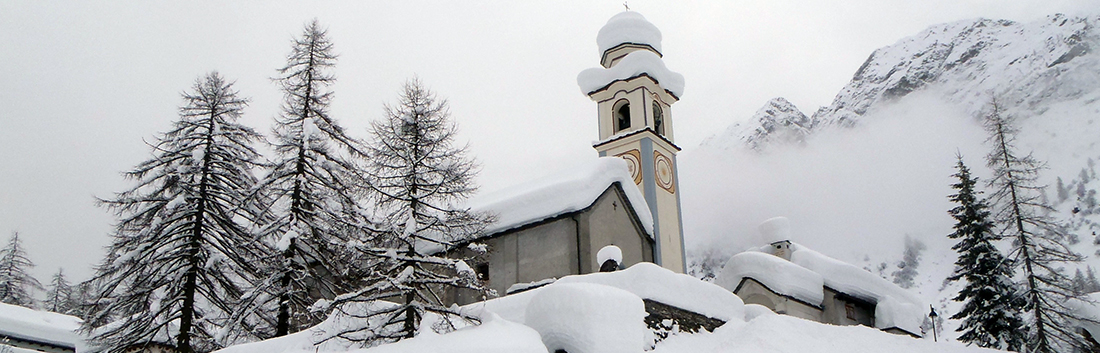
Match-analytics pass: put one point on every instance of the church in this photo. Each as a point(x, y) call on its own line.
point(629, 198)
point(553, 227)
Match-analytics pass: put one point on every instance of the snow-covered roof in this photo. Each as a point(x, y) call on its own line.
point(628, 27)
point(561, 193)
point(1088, 310)
point(39, 326)
point(632, 65)
point(808, 269)
point(895, 307)
point(775, 230)
point(779, 275)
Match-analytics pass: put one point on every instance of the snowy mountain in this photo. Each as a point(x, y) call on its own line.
point(1028, 67)
point(778, 121)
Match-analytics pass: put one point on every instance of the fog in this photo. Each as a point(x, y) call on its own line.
point(848, 193)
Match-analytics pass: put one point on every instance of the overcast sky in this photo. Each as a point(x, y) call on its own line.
point(84, 84)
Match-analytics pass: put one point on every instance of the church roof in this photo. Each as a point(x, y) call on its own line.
point(560, 193)
point(628, 27)
point(635, 64)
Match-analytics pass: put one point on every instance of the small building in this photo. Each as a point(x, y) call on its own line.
point(553, 227)
point(791, 279)
point(35, 330)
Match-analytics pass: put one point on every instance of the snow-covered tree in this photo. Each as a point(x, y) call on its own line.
point(418, 174)
point(179, 254)
point(907, 267)
point(991, 305)
point(16, 285)
point(1039, 247)
point(59, 295)
point(311, 193)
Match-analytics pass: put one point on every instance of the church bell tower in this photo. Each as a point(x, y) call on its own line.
point(634, 93)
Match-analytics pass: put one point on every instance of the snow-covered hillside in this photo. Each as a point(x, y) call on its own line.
point(875, 166)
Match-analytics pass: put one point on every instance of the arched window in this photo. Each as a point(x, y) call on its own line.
point(658, 119)
point(622, 115)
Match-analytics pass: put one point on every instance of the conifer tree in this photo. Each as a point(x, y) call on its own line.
point(16, 285)
point(1039, 247)
point(311, 193)
point(59, 295)
point(178, 254)
point(990, 310)
point(418, 175)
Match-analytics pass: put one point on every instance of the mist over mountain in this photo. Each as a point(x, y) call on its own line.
point(867, 177)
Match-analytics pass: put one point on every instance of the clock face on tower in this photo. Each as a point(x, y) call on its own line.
point(663, 169)
point(634, 164)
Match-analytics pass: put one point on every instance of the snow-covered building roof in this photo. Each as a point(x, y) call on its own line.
point(628, 27)
point(779, 275)
point(42, 327)
point(808, 269)
point(560, 193)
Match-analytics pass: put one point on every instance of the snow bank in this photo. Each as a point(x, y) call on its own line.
point(494, 335)
point(788, 334)
point(560, 193)
point(653, 282)
point(588, 318)
point(902, 308)
point(634, 64)
point(754, 310)
point(40, 326)
point(628, 27)
point(777, 274)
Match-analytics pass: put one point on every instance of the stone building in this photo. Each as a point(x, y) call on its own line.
point(790, 279)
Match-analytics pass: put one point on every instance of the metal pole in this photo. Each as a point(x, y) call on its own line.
point(933, 315)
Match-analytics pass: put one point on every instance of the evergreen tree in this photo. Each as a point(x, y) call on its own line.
point(1039, 247)
point(311, 193)
point(418, 174)
point(16, 285)
point(178, 253)
point(990, 313)
point(59, 295)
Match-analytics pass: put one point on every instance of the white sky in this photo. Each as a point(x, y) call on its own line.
point(83, 83)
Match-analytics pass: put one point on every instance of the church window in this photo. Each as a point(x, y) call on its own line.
point(658, 119)
point(622, 116)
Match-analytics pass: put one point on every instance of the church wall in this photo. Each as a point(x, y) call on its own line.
point(837, 306)
point(607, 222)
point(753, 292)
point(543, 251)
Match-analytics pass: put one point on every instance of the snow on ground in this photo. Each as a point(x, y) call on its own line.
point(41, 326)
point(558, 193)
point(634, 64)
point(588, 318)
point(628, 27)
point(788, 334)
